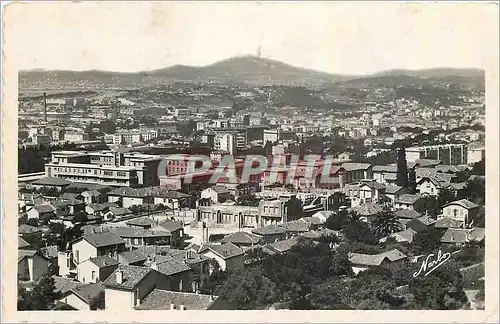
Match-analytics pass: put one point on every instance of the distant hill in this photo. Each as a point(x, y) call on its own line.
point(246, 69)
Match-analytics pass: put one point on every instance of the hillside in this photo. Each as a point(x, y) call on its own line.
point(237, 70)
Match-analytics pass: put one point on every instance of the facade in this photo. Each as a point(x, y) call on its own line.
point(449, 154)
point(231, 215)
point(105, 168)
point(227, 255)
point(31, 265)
point(96, 269)
point(475, 155)
point(462, 211)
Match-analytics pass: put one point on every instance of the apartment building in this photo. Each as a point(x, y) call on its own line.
point(104, 167)
point(449, 154)
point(230, 215)
point(134, 136)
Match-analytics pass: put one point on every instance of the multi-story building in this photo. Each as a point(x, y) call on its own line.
point(230, 142)
point(475, 154)
point(105, 167)
point(230, 215)
point(134, 136)
point(449, 154)
point(75, 137)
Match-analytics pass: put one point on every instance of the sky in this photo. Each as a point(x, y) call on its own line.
point(335, 37)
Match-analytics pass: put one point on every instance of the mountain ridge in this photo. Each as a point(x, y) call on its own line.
point(243, 69)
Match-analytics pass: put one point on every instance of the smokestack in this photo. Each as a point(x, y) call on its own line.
point(119, 277)
point(45, 107)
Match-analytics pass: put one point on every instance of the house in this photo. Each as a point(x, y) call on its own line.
point(407, 201)
point(447, 222)
point(315, 222)
point(94, 245)
point(367, 211)
point(461, 210)
point(421, 224)
point(357, 171)
point(84, 297)
point(428, 186)
point(171, 199)
point(322, 215)
point(96, 269)
point(116, 213)
point(405, 236)
point(392, 260)
point(43, 212)
point(392, 192)
point(407, 214)
point(31, 265)
point(463, 235)
point(128, 285)
point(242, 239)
point(178, 273)
point(172, 300)
point(175, 228)
point(75, 206)
point(382, 173)
point(271, 233)
point(216, 194)
point(57, 183)
point(142, 222)
point(280, 247)
point(92, 197)
point(133, 257)
point(64, 285)
point(228, 256)
point(427, 163)
point(138, 236)
point(297, 227)
point(364, 191)
point(99, 209)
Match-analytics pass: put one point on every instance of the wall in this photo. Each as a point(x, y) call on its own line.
point(76, 302)
point(220, 261)
point(235, 263)
point(118, 300)
point(130, 201)
point(84, 272)
point(40, 266)
point(85, 249)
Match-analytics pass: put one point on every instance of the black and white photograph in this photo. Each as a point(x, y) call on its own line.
point(263, 156)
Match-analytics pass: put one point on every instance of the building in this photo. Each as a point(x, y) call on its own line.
point(462, 211)
point(392, 260)
point(216, 194)
point(271, 135)
point(31, 265)
point(231, 215)
point(171, 300)
point(42, 139)
point(407, 201)
point(128, 285)
point(364, 191)
point(96, 269)
point(475, 155)
point(227, 255)
point(449, 154)
point(104, 167)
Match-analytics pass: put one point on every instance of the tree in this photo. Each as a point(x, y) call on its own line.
point(479, 168)
point(358, 231)
point(441, 289)
point(402, 168)
point(412, 181)
point(43, 295)
point(385, 224)
point(329, 295)
point(337, 221)
point(98, 302)
point(445, 196)
point(249, 289)
point(474, 191)
point(428, 241)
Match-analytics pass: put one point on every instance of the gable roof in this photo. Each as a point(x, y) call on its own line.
point(64, 285)
point(49, 181)
point(407, 213)
point(426, 220)
point(28, 229)
point(241, 238)
point(133, 256)
point(132, 275)
point(21, 254)
point(463, 203)
point(269, 230)
point(402, 236)
point(88, 292)
point(296, 226)
point(392, 189)
point(103, 261)
point(21, 243)
point(118, 211)
point(351, 166)
point(385, 168)
point(447, 222)
point(313, 220)
point(427, 162)
point(171, 225)
point(225, 250)
point(282, 246)
point(461, 235)
point(376, 259)
point(161, 300)
point(46, 208)
point(103, 239)
point(408, 199)
point(172, 267)
point(138, 232)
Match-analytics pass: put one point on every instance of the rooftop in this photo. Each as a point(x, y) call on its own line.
point(225, 250)
point(161, 300)
point(103, 261)
point(103, 239)
point(132, 275)
point(241, 238)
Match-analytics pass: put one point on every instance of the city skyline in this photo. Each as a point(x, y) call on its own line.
point(160, 35)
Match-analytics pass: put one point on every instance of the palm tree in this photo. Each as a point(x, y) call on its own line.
point(385, 223)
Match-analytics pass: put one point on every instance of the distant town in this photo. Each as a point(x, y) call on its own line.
point(127, 199)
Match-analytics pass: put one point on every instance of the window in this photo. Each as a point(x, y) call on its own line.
point(108, 173)
point(93, 275)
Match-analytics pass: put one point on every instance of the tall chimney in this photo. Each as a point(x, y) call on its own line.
point(45, 107)
point(119, 277)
